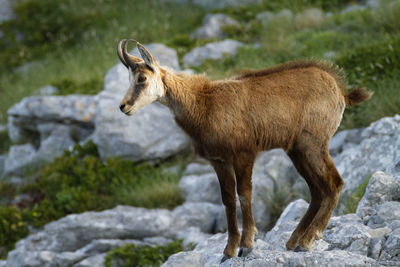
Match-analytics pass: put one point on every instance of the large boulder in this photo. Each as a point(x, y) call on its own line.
point(18, 158)
point(80, 237)
point(213, 26)
point(35, 117)
point(378, 151)
point(150, 134)
point(214, 51)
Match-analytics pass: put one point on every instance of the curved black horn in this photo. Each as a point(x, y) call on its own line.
point(130, 60)
point(119, 52)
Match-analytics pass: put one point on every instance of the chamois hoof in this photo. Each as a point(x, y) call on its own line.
point(243, 252)
point(300, 249)
point(224, 258)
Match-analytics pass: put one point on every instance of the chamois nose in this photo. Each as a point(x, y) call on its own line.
point(121, 107)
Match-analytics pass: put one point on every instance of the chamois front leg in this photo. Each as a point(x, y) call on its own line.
point(243, 169)
point(226, 179)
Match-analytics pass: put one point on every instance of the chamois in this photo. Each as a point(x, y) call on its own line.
point(295, 106)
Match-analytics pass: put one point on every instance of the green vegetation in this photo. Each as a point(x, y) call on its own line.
point(79, 181)
point(134, 255)
point(72, 43)
point(5, 142)
point(350, 201)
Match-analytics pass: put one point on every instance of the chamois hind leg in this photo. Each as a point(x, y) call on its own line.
point(227, 184)
point(330, 184)
point(325, 185)
point(306, 173)
point(243, 166)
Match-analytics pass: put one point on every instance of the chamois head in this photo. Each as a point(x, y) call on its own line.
point(146, 85)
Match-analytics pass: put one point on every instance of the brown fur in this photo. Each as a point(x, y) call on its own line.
point(296, 106)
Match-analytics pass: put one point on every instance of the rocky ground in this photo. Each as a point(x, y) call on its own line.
point(45, 125)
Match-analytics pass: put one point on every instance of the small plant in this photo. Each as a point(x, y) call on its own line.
point(5, 142)
point(350, 201)
point(141, 256)
point(13, 227)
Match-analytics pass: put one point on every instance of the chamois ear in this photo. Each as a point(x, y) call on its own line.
point(127, 59)
point(147, 57)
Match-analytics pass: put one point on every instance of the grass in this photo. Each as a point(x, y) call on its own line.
point(350, 201)
point(79, 181)
point(134, 255)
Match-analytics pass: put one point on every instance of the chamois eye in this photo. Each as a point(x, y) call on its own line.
point(141, 79)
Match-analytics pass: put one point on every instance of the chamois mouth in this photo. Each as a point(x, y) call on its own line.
point(130, 112)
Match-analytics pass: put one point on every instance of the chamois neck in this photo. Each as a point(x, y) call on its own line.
point(184, 94)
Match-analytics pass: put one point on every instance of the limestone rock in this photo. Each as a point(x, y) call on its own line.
point(378, 151)
point(18, 158)
point(164, 55)
point(214, 51)
point(6, 10)
point(213, 26)
point(381, 188)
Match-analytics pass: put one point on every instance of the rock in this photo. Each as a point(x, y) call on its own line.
point(385, 214)
point(198, 169)
point(277, 237)
point(201, 188)
point(381, 188)
point(214, 51)
point(54, 145)
point(79, 236)
point(6, 10)
point(93, 261)
point(392, 245)
point(18, 158)
point(163, 54)
point(192, 236)
point(378, 151)
point(209, 253)
point(213, 26)
point(47, 90)
point(344, 139)
point(201, 215)
point(26, 118)
point(150, 134)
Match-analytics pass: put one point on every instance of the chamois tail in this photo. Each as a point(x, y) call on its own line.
point(357, 96)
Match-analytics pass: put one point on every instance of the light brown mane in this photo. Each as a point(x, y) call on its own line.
point(326, 66)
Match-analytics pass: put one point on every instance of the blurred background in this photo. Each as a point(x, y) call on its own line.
point(51, 48)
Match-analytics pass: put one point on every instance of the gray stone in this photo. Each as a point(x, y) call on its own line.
point(192, 236)
point(384, 215)
point(201, 215)
point(201, 188)
point(378, 151)
point(47, 90)
point(164, 55)
point(150, 134)
point(54, 145)
point(381, 188)
point(343, 139)
point(214, 51)
point(213, 26)
point(392, 245)
point(25, 119)
point(209, 253)
point(93, 261)
point(6, 10)
point(19, 157)
point(197, 169)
